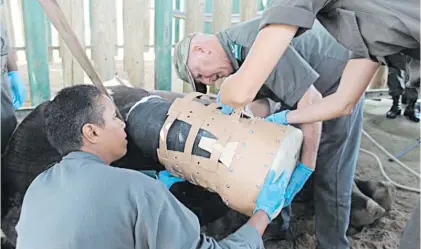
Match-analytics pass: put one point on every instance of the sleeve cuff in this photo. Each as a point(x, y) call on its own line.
point(251, 235)
point(287, 15)
point(303, 86)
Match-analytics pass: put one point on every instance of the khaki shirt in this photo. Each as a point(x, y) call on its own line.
point(314, 58)
point(371, 29)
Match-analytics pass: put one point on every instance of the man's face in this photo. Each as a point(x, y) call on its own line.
point(112, 136)
point(208, 67)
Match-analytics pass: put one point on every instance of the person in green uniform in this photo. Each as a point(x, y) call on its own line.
point(309, 70)
point(373, 30)
point(82, 202)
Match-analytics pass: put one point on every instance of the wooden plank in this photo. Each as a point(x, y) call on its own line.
point(72, 71)
point(222, 11)
point(36, 51)
point(195, 22)
point(146, 22)
point(134, 40)
point(103, 16)
point(163, 44)
point(195, 16)
point(248, 9)
point(6, 15)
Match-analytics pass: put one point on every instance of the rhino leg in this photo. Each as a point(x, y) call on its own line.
point(382, 192)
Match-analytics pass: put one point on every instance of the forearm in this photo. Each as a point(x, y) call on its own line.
point(267, 49)
point(312, 133)
point(355, 80)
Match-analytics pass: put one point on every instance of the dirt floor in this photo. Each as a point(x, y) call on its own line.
point(394, 135)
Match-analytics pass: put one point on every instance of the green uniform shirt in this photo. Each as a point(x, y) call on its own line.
point(371, 29)
point(81, 202)
point(314, 58)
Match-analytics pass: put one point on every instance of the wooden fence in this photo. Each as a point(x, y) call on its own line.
point(113, 31)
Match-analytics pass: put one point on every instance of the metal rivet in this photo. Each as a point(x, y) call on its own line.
point(244, 144)
point(278, 141)
point(251, 131)
point(228, 186)
point(230, 169)
point(258, 186)
point(254, 201)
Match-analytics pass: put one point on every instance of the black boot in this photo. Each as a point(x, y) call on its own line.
point(411, 112)
point(395, 110)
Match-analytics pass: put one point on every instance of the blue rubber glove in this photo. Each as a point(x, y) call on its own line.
point(168, 179)
point(298, 178)
point(226, 109)
point(18, 88)
point(272, 194)
point(279, 118)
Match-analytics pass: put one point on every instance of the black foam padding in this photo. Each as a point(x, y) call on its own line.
point(145, 122)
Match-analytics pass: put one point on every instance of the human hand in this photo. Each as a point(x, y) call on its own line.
point(298, 178)
point(18, 88)
point(271, 195)
point(168, 179)
point(279, 118)
point(225, 108)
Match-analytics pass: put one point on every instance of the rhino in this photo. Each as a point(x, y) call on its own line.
point(29, 153)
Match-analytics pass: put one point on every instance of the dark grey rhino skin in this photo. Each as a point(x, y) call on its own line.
point(29, 153)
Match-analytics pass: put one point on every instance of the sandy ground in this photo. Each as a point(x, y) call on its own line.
point(394, 135)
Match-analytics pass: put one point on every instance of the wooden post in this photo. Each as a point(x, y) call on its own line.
point(146, 24)
point(222, 11)
point(103, 16)
point(195, 22)
point(6, 15)
point(134, 40)
point(36, 51)
point(248, 9)
point(221, 19)
point(72, 72)
point(163, 44)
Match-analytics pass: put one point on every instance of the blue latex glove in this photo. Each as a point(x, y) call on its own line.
point(18, 88)
point(226, 109)
point(168, 179)
point(272, 194)
point(298, 178)
point(279, 118)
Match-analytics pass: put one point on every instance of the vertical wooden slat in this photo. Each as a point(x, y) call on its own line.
point(221, 20)
point(163, 44)
point(36, 51)
point(6, 15)
point(146, 21)
point(134, 40)
point(195, 16)
point(103, 16)
point(195, 22)
point(72, 72)
point(222, 11)
point(248, 9)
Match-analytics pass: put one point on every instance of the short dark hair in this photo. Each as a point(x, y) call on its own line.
point(68, 112)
